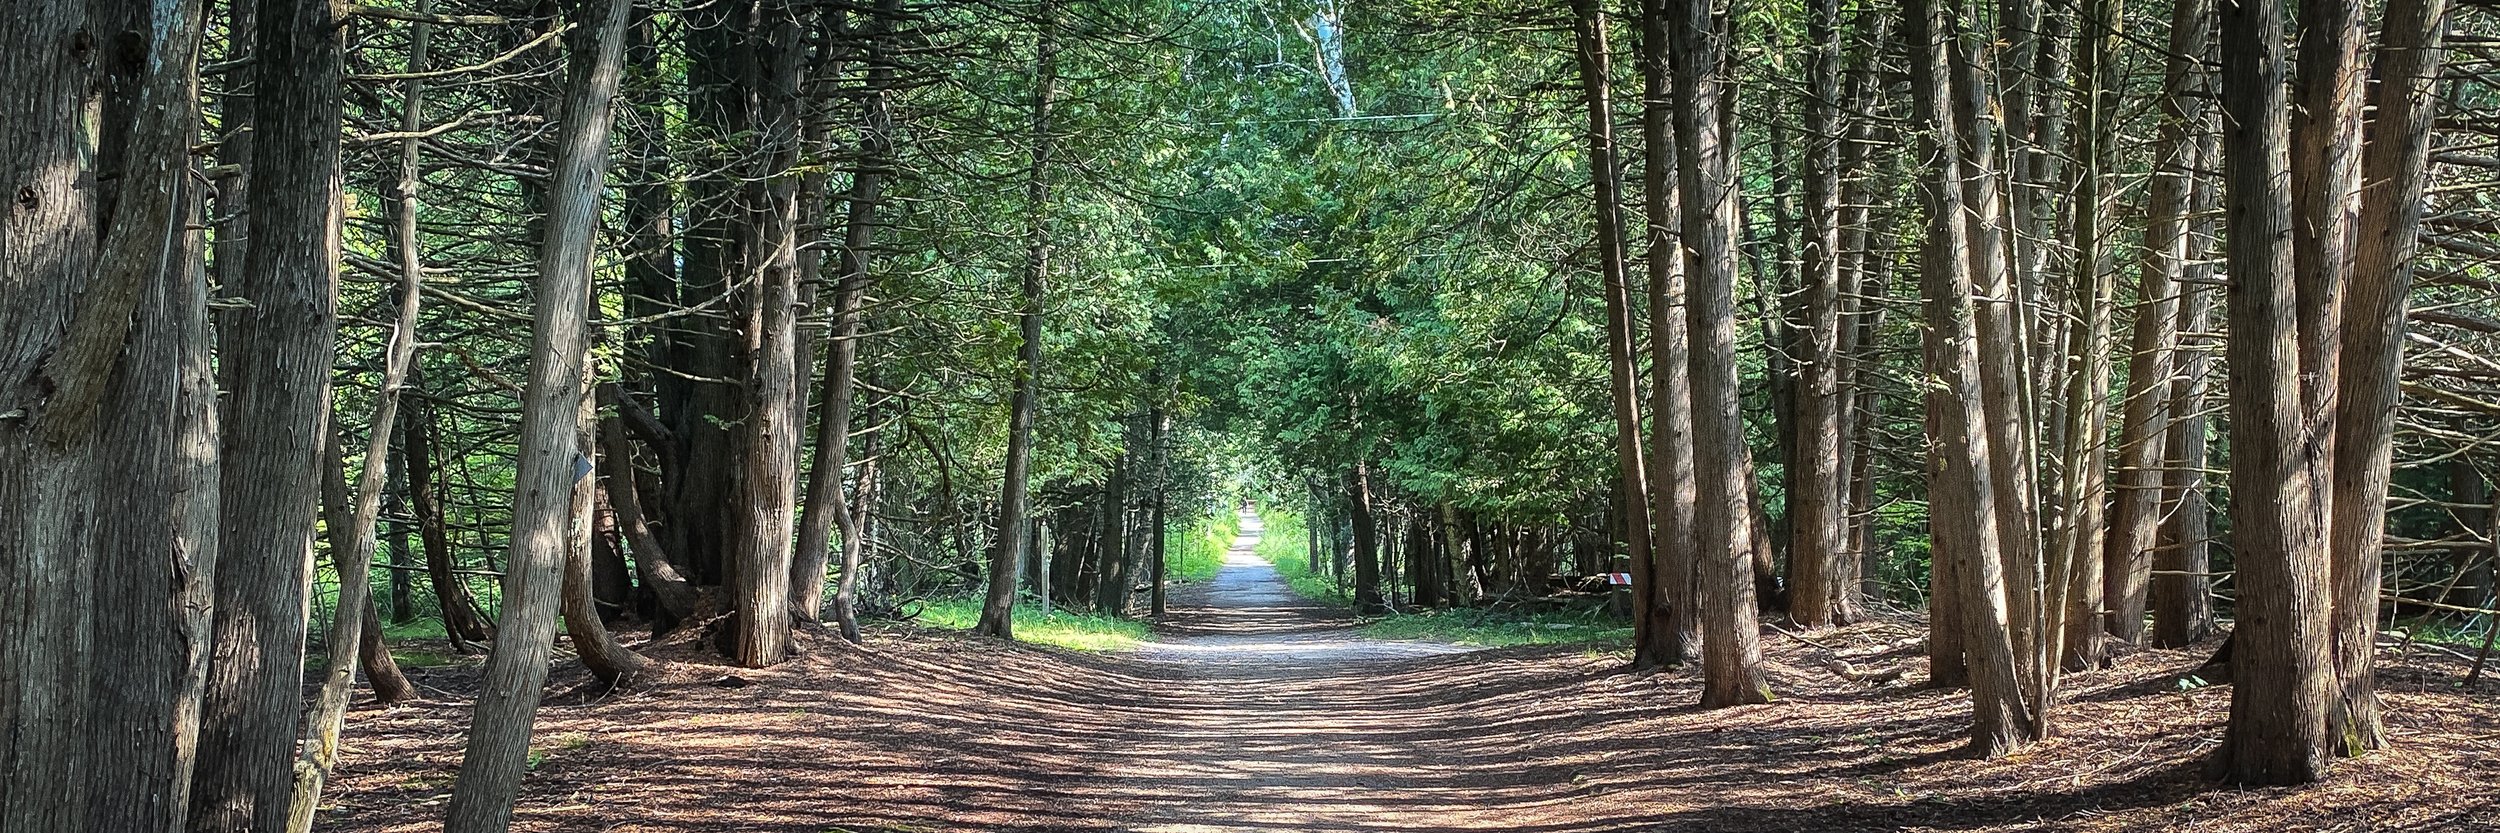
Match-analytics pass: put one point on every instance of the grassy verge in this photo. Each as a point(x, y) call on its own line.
point(1081, 632)
point(1287, 545)
point(1196, 553)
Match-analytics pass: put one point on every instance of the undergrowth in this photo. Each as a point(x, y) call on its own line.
point(1196, 553)
point(1074, 631)
point(1286, 544)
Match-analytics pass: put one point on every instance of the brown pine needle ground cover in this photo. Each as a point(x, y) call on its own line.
point(1260, 714)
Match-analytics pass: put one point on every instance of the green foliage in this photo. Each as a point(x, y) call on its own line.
point(1074, 631)
point(1196, 553)
point(1286, 545)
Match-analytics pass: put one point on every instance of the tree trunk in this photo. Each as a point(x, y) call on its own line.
point(2281, 668)
point(1367, 599)
point(577, 599)
point(464, 624)
point(1673, 605)
point(1732, 653)
point(2153, 352)
point(2181, 596)
point(827, 505)
point(998, 605)
point(1606, 182)
point(1816, 596)
point(2411, 52)
point(760, 583)
point(275, 362)
point(551, 468)
point(1965, 522)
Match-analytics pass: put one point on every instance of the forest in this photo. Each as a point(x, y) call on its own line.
point(1249, 415)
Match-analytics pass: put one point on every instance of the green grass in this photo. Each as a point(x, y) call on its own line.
point(1194, 554)
point(1074, 631)
point(1498, 629)
point(1287, 545)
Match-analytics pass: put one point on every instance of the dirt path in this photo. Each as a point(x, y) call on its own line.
point(1259, 713)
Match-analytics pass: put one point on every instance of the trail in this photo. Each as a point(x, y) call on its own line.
point(1255, 711)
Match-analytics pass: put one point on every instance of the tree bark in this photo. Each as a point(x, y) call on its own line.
point(551, 468)
point(1732, 652)
point(998, 605)
point(1606, 183)
point(275, 362)
point(1673, 605)
point(1816, 596)
point(760, 578)
point(2281, 668)
point(2153, 350)
point(2411, 52)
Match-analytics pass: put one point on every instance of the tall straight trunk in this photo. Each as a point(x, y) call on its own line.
point(2181, 595)
point(2282, 671)
point(998, 604)
point(2074, 612)
point(1816, 516)
point(1606, 184)
point(1360, 515)
point(1673, 606)
point(2006, 380)
point(701, 395)
point(1112, 582)
point(1722, 465)
point(1964, 522)
point(551, 468)
point(827, 505)
point(1162, 496)
point(2153, 350)
point(2326, 181)
point(2411, 52)
point(275, 358)
point(768, 469)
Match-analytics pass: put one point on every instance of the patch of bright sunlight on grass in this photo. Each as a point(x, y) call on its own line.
point(1287, 545)
point(1074, 631)
point(1497, 629)
point(1196, 553)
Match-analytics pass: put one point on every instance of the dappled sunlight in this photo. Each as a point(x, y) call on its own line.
point(1252, 710)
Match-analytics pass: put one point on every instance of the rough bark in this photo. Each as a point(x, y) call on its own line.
point(1674, 605)
point(551, 468)
point(1816, 595)
point(274, 357)
point(1731, 646)
point(2153, 349)
point(2411, 52)
point(767, 476)
point(2281, 668)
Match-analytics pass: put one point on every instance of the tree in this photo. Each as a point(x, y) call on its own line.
point(1722, 465)
point(552, 468)
point(998, 606)
point(274, 364)
point(2280, 666)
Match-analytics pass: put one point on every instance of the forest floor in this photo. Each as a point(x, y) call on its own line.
point(1256, 712)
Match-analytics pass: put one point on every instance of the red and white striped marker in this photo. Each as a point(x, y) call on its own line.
point(1619, 579)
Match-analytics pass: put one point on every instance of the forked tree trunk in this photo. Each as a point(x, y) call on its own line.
point(2411, 52)
point(1964, 522)
point(1731, 646)
point(551, 468)
point(2282, 671)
